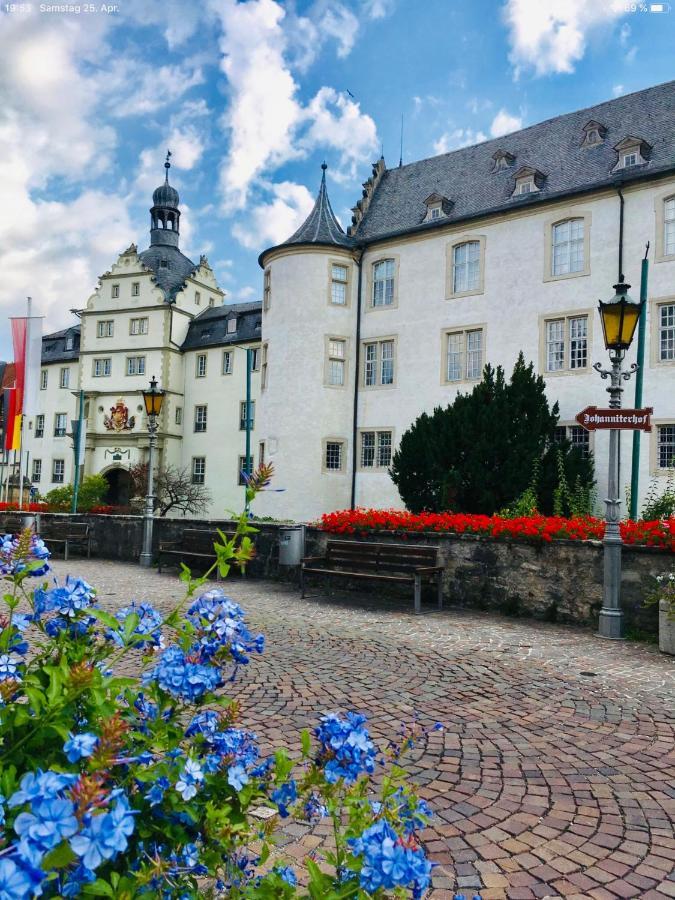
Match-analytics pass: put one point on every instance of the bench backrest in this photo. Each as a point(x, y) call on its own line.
point(381, 557)
point(71, 530)
point(201, 540)
point(11, 524)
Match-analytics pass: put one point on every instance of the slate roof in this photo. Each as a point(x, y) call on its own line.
point(170, 278)
point(321, 226)
point(209, 329)
point(54, 346)
point(553, 147)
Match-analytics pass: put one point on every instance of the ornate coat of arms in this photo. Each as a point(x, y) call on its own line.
point(119, 418)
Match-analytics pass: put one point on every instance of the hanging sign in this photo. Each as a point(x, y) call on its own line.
point(594, 419)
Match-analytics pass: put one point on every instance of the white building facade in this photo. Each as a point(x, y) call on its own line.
point(460, 260)
point(155, 313)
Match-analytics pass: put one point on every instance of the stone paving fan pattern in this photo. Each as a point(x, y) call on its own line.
point(545, 782)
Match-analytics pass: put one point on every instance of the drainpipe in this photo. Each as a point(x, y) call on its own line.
point(357, 370)
point(621, 204)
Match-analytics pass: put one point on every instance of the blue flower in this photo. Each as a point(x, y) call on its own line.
point(11, 563)
point(206, 722)
point(286, 874)
point(68, 601)
point(190, 778)
point(38, 786)
point(104, 835)
point(284, 796)
point(156, 793)
point(221, 628)
point(346, 750)
point(80, 745)
point(18, 882)
point(149, 625)
point(237, 777)
point(9, 667)
point(315, 809)
point(183, 679)
point(39, 831)
point(390, 862)
point(78, 877)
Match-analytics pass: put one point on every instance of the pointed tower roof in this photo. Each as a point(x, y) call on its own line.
point(320, 227)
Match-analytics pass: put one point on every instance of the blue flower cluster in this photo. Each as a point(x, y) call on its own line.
point(69, 601)
point(284, 796)
point(390, 862)
point(49, 821)
point(226, 747)
point(13, 563)
point(220, 625)
point(149, 625)
point(180, 676)
point(346, 750)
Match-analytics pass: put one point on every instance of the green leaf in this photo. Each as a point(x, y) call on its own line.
point(104, 617)
point(306, 742)
point(59, 858)
point(99, 888)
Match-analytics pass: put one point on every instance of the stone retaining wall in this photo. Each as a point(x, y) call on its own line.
point(559, 581)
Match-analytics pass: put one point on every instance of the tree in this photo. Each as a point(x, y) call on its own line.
point(477, 454)
point(90, 493)
point(173, 489)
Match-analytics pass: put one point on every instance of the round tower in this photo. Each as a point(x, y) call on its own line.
point(165, 214)
point(308, 366)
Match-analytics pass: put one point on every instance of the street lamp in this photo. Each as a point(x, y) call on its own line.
point(619, 317)
point(153, 400)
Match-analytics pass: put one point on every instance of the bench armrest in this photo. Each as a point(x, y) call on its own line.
point(168, 545)
point(427, 570)
point(307, 559)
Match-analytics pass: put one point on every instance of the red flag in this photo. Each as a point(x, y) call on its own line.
point(19, 329)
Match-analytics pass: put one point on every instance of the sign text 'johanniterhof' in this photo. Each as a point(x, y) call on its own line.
point(594, 419)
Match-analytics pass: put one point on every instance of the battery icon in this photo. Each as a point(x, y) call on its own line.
point(659, 7)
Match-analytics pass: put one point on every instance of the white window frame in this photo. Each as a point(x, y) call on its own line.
point(64, 377)
point(200, 365)
point(242, 415)
point(39, 425)
point(198, 298)
point(36, 471)
point(384, 275)
point(267, 289)
point(102, 367)
point(44, 379)
point(565, 244)
point(242, 463)
point(669, 443)
point(135, 365)
point(669, 226)
point(338, 285)
point(138, 326)
point(332, 443)
point(60, 464)
point(630, 158)
point(375, 354)
point(201, 418)
point(336, 361)
point(115, 291)
point(178, 418)
point(255, 359)
point(573, 432)
point(198, 470)
point(228, 362)
point(105, 328)
point(263, 366)
point(379, 442)
point(135, 288)
point(60, 424)
point(467, 354)
point(571, 340)
point(231, 327)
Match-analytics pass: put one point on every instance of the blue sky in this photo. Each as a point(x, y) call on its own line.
point(251, 96)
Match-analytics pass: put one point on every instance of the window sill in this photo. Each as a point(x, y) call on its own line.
point(568, 275)
point(457, 295)
point(558, 372)
point(670, 257)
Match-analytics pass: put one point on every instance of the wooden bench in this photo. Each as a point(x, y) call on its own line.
point(68, 535)
point(195, 543)
point(407, 563)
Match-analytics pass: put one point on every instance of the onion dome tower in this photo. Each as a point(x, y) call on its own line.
point(165, 214)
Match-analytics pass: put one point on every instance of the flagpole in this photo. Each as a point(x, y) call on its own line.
point(29, 304)
point(78, 449)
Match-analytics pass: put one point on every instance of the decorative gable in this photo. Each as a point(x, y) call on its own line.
point(437, 206)
point(594, 133)
point(369, 188)
point(527, 180)
point(502, 160)
point(632, 151)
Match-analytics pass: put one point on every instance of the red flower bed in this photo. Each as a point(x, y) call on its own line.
point(660, 533)
point(14, 507)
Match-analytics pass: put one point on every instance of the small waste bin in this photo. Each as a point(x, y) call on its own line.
point(291, 545)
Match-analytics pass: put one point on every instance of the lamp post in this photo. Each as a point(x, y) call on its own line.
point(153, 400)
point(619, 318)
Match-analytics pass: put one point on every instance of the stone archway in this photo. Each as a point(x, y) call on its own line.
point(119, 487)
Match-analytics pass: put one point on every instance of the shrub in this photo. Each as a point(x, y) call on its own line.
point(90, 493)
point(109, 790)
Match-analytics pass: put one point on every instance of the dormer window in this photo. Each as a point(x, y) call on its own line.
point(437, 206)
point(231, 325)
point(502, 160)
point(632, 151)
point(69, 342)
point(163, 264)
point(594, 134)
point(527, 181)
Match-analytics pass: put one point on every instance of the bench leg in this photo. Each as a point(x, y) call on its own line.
point(418, 594)
point(440, 590)
point(302, 583)
point(65, 552)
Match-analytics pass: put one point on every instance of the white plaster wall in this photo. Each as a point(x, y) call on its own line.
point(54, 399)
point(297, 411)
point(223, 442)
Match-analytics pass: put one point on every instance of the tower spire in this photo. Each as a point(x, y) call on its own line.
point(165, 214)
point(167, 166)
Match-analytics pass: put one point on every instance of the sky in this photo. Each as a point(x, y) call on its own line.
point(251, 97)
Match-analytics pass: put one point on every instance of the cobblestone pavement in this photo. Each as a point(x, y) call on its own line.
point(554, 775)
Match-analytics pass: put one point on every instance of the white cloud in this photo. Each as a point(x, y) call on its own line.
point(267, 124)
point(624, 34)
point(244, 294)
point(134, 88)
point(617, 90)
point(324, 20)
point(272, 222)
point(460, 137)
point(377, 9)
point(505, 123)
point(550, 36)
